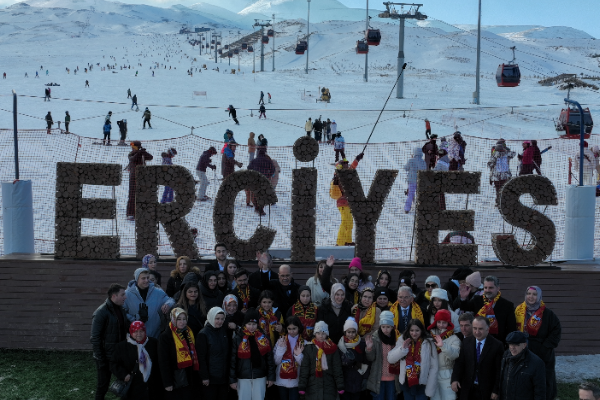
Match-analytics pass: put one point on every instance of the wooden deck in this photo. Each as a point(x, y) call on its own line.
point(48, 304)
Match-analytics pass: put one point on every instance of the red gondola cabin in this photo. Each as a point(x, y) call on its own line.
point(373, 37)
point(362, 47)
point(569, 123)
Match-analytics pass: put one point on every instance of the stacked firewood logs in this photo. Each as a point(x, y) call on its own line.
point(224, 209)
point(542, 229)
point(304, 219)
point(70, 208)
point(430, 219)
point(306, 149)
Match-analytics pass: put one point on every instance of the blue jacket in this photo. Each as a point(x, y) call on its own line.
point(155, 299)
point(107, 127)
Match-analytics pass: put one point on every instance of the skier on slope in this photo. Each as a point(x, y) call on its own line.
point(128, 93)
point(262, 111)
point(233, 114)
point(262, 98)
point(107, 127)
point(49, 121)
point(146, 116)
point(134, 103)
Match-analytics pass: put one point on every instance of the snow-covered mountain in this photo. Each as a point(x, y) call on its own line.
point(516, 32)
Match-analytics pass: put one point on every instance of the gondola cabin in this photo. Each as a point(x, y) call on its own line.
point(250, 49)
point(230, 54)
point(236, 51)
point(569, 123)
point(373, 37)
point(220, 51)
point(270, 33)
point(508, 75)
point(226, 46)
point(304, 43)
point(265, 39)
point(218, 43)
point(244, 46)
point(300, 49)
point(212, 41)
point(362, 47)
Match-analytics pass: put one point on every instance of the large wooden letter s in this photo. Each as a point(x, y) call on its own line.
point(542, 229)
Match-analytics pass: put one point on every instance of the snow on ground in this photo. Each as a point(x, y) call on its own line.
point(577, 368)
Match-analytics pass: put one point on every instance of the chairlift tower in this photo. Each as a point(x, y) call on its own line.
point(262, 25)
point(273, 42)
point(412, 13)
point(216, 37)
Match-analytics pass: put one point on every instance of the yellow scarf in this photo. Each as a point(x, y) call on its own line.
point(427, 296)
point(535, 322)
point(366, 323)
point(487, 311)
point(415, 313)
point(186, 355)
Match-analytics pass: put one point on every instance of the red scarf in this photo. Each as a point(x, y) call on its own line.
point(186, 352)
point(264, 346)
point(487, 311)
point(289, 366)
point(444, 336)
point(324, 348)
point(533, 325)
point(267, 322)
point(245, 297)
point(413, 363)
point(308, 317)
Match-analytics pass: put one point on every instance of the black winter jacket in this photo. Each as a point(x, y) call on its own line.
point(167, 358)
point(504, 311)
point(352, 361)
point(334, 322)
point(107, 330)
point(242, 368)
point(213, 354)
point(522, 377)
point(285, 297)
point(123, 362)
point(212, 298)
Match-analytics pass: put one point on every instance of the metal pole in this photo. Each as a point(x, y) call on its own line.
point(477, 100)
point(16, 137)
point(262, 49)
point(367, 55)
point(400, 89)
point(581, 138)
point(273, 42)
point(307, 35)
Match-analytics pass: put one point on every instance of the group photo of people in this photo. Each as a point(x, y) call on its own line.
point(232, 333)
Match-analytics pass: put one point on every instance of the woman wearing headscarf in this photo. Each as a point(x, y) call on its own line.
point(334, 311)
point(193, 304)
point(320, 283)
point(213, 297)
point(135, 360)
point(222, 283)
point(366, 314)
point(178, 359)
point(234, 318)
point(213, 347)
point(306, 311)
point(149, 262)
point(544, 330)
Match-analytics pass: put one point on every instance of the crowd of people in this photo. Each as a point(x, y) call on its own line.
point(231, 334)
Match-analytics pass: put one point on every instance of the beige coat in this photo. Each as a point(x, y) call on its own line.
point(429, 364)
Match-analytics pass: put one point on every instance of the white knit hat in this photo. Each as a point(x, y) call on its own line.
point(387, 318)
point(350, 324)
point(321, 326)
point(439, 293)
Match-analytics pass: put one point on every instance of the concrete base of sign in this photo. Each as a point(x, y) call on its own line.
point(580, 213)
point(339, 252)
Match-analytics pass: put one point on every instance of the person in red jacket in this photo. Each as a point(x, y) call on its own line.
point(526, 159)
point(427, 128)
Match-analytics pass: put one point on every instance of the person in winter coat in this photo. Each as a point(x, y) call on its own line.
point(271, 319)
point(336, 192)
point(251, 147)
point(233, 114)
point(427, 128)
point(412, 167)
point(137, 156)
point(339, 145)
point(149, 262)
point(424, 298)
point(213, 296)
point(418, 362)
point(203, 163)
point(458, 278)
point(383, 375)
point(543, 330)
point(448, 348)
point(262, 141)
point(275, 177)
point(234, 318)
point(109, 327)
point(526, 159)
point(145, 302)
point(522, 375)
point(167, 159)
point(321, 376)
point(405, 309)
point(430, 150)
point(213, 354)
point(308, 127)
point(351, 282)
point(122, 124)
point(106, 129)
point(229, 159)
point(334, 311)
point(456, 152)
point(537, 157)
point(49, 121)
point(306, 311)
point(590, 164)
point(262, 112)
point(128, 93)
point(355, 366)
point(321, 282)
point(382, 298)
point(318, 127)
point(67, 121)
point(251, 368)
point(178, 358)
point(439, 301)
point(146, 117)
point(410, 279)
point(47, 94)
point(246, 294)
point(288, 358)
point(262, 98)
point(263, 164)
point(183, 266)
point(135, 360)
point(327, 130)
point(499, 165)
point(134, 102)
point(108, 117)
point(192, 302)
point(366, 314)
point(333, 129)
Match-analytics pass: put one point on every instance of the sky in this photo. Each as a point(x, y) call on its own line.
point(582, 14)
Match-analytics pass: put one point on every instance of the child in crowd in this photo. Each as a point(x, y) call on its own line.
point(354, 361)
point(270, 321)
point(306, 311)
point(288, 358)
point(383, 374)
point(448, 348)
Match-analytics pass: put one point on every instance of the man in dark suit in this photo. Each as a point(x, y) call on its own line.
point(221, 256)
point(246, 294)
point(466, 325)
point(263, 268)
point(499, 311)
point(477, 369)
point(284, 289)
point(406, 308)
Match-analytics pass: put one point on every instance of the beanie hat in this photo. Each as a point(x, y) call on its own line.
point(381, 291)
point(355, 263)
point(434, 279)
point(461, 273)
point(350, 324)
point(251, 316)
point(474, 279)
point(440, 294)
point(320, 326)
point(138, 271)
point(442, 315)
point(386, 318)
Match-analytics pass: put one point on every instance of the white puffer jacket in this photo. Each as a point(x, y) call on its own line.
point(450, 351)
point(429, 364)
